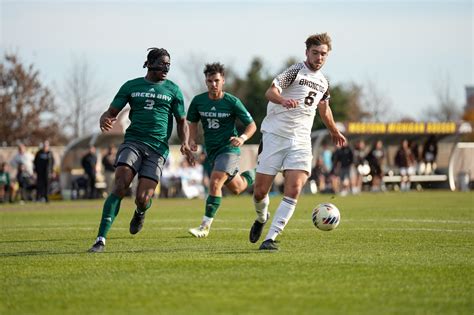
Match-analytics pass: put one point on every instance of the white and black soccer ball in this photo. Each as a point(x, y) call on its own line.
point(326, 216)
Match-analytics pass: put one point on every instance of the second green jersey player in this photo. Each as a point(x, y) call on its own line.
point(217, 111)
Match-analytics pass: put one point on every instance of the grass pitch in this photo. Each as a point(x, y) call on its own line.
point(393, 253)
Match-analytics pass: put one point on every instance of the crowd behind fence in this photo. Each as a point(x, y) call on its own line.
point(36, 173)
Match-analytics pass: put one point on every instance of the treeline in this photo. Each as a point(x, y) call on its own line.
point(29, 110)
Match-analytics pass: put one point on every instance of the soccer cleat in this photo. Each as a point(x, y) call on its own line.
point(98, 247)
point(268, 245)
point(256, 230)
point(201, 231)
point(137, 222)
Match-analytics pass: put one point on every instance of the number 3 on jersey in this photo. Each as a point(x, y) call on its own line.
point(149, 104)
point(212, 123)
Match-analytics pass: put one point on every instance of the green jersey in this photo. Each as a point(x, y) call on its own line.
point(218, 121)
point(152, 107)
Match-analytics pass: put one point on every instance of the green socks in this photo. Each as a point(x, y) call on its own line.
point(109, 212)
point(212, 204)
point(141, 211)
point(249, 176)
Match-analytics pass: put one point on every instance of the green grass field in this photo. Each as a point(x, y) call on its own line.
point(393, 253)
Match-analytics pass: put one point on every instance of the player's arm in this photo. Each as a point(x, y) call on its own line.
point(328, 119)
point(273, 94)
point(283, 81)
point(108, 118)
point(247, 134)
point(183, 134)
point(193, 131)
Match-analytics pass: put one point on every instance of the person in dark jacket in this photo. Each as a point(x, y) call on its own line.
point(89, 164)
point(43, 167)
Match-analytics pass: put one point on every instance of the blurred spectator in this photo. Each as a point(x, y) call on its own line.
point(318, 175)
point(26, 183)
point(375, 159)
point(191, 180)
point(206, 169)
point(43, 167)
point(429, 154)
point(89, 164)
point(108, 162)
point(361, 166)
point(405, 161)
point(79, 187)
point(23, 157)
point(343, 160)
point(416, 153)
point(6, 187)
point(170, 184)
point(327, 157)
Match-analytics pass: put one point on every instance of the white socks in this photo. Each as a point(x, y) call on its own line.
point(282, 216)
point(206, 221)
point(261, 208)
point(100, 238)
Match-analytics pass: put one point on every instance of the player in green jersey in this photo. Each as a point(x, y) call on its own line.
point(154, 101)
point(217, 111)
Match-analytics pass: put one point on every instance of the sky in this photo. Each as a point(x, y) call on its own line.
point(407, 49)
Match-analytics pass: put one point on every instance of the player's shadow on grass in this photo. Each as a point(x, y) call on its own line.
point(43, 241)
point(188, 250)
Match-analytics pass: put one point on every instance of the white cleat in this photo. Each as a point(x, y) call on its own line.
point(199, 232)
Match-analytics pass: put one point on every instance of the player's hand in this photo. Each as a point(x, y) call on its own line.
point(289, 103)
point(236, 141)
point(193, 146)
point(186, 151)
point(106, 123)
point(338, 139)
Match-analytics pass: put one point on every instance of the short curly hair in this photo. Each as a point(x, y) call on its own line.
point(213, 68)
point(319, 39)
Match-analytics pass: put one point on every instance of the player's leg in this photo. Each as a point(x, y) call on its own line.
point(145, 190)
point(297, 167)
point(123, 177)
point(240, 182)
point(213, 201)
point(272, 151)
point(128, 161)
point(224, 170)
point(149, 176)
point(293, 184)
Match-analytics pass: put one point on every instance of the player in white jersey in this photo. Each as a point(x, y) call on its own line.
point(293, 98)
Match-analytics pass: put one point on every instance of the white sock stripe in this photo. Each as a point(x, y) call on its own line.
point(290, 201)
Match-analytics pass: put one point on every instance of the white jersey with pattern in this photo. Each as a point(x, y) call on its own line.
point(308, 87)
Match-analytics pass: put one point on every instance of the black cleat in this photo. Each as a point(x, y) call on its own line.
point(98, 247)
point(269, 245)
point(256, 230)
point(137, 222)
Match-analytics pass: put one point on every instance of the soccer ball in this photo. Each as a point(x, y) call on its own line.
point(326, 216)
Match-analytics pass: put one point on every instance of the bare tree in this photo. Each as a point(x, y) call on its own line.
point(80, 95)
point(375, 104)
point(192, 71)
point(27, 108)
point(446, 108)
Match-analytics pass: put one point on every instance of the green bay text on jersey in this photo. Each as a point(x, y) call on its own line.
point(152, 107)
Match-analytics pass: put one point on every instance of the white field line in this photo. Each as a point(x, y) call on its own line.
point(185, 229)
point(250, 221)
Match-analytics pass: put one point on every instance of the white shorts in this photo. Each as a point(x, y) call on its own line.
point(278, 154)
